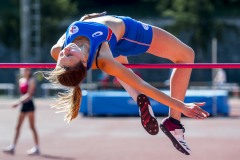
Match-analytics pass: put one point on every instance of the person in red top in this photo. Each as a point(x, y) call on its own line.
point(27, 86)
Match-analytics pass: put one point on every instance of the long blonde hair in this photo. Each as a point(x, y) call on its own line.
point(70, 100)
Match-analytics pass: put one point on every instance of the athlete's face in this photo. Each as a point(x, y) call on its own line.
point(74, 53)
point(25, 72)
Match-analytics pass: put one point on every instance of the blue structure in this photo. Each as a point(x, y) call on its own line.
point(119, 103)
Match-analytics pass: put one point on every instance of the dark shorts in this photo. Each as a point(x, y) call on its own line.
point(136, 40)
point(28, 107)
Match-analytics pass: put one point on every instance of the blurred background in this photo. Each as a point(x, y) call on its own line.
point(28, 30)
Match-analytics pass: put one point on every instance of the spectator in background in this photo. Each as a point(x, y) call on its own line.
point(27, 86)
point(220, 77)
point(105, 80)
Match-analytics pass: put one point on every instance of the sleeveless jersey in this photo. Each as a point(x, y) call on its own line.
point(23, 87)
point(96, 33)
point(136, 40)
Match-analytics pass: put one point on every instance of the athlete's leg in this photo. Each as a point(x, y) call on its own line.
point(148, 119)
point(167, 46)
point(18, 127)
point(35, 149)
point(11, 148)
point(31, 117)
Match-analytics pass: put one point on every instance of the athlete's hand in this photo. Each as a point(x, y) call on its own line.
point(93, 15)
point(15, 104)
point(193, 110)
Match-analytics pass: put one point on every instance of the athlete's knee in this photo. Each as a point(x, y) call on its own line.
point(187, 57)
point(18, 128)
point(32, 127)
point(191, 55)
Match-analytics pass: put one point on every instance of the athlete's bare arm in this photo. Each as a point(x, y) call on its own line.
point(114, 68)
point(115, 24)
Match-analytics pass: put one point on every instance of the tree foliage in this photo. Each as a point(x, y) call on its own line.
point(190, 16)
point(53, 15)
point(9, 23)
point(197, 18)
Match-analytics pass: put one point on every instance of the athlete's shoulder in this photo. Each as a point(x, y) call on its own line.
point(95, 32)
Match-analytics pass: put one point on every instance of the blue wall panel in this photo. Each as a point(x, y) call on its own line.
point(119, 103)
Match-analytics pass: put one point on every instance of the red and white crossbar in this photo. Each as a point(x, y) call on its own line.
point(139, 66)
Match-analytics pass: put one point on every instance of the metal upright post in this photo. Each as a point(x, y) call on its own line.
point(25, 30)
point(36, 30)
point(214, 87)
point(89, 96)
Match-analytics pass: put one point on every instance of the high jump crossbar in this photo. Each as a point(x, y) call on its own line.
point(137, 66)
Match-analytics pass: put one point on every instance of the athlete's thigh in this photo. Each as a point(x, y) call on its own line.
point(122, 59)
point(21, 118)
point(165, 45)
point(31, 117)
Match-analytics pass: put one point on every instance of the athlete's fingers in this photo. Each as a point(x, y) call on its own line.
point(201, 111)
point(192, 110)
point(198, 113)
point(190, 115)
point(200, 104)
point(92, 15)
point(103, 13)
point(193, 114)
